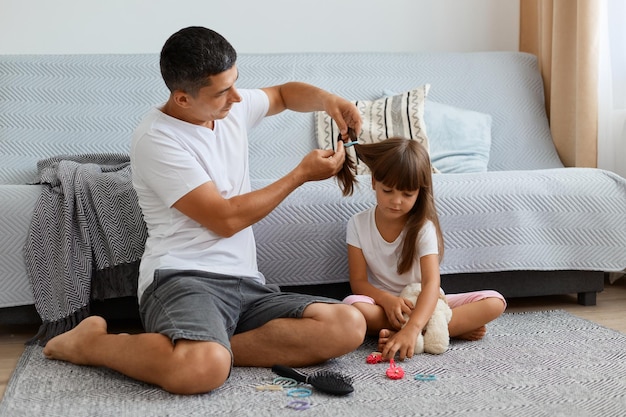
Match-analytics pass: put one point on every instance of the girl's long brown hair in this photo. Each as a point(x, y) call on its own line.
point(402, 164)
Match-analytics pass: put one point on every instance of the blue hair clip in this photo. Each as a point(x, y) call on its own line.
point(425, 377)
point(352, 136)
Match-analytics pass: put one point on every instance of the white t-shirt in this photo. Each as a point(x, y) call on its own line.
point(170, 158)
point(382, 256)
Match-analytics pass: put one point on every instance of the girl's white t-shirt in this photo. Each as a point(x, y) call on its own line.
point(169, 158)
point(382, 256)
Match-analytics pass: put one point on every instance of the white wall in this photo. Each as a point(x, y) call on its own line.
point(137, 26)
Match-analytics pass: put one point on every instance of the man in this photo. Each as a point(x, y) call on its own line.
point(203, 303)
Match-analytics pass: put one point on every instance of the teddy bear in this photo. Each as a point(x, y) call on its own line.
point(435, 339)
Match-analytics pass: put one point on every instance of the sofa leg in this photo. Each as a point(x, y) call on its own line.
point(587, 298)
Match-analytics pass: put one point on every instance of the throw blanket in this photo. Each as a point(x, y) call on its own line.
point(86, 238)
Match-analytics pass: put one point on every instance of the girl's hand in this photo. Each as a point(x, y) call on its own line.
point(402, 343)
point(395, 308)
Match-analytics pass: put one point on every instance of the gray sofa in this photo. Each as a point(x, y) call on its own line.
point(525, 226)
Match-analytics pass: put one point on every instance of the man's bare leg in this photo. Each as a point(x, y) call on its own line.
point(325, 331)
point(188, 367)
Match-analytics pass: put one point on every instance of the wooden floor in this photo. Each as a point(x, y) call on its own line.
point(610, 312)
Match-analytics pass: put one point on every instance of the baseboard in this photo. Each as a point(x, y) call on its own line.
point(517, 284)
point(511, 284)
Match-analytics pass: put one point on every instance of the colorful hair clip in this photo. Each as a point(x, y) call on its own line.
point(394, 371)
point(374, 358)
point(269, 387)
point(352, 136)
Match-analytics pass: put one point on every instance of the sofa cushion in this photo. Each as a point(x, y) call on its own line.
point(398, 115)
point(459, 139)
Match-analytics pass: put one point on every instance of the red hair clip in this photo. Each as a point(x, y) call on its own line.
point(374, 358)
point(394, 371)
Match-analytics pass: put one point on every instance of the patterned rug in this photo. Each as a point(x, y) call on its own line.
point(546, 363)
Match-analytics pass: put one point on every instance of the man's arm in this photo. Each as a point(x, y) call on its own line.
point(229, 216)
point(302, 97)
point(226, 217)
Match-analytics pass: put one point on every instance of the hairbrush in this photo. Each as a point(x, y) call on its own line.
point(330, 382)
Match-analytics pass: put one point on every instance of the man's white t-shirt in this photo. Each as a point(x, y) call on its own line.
point(382, 256)
point(169, 158)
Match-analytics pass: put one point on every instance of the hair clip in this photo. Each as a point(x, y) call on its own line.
point(374, 358)
point(394, 371)
point(425, 377)
point(269, 387)
point(352, 136)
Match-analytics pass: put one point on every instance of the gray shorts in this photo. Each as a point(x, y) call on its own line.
point(198, 305)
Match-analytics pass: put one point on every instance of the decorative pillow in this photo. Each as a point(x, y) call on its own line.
point(459, 139)
point(399, 115)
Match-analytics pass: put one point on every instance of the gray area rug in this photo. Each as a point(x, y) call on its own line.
point(546, 363)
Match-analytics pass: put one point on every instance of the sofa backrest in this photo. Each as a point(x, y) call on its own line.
point(73, 104)
point(506, 85)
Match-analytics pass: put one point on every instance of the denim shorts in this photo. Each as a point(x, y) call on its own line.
point(198, 305)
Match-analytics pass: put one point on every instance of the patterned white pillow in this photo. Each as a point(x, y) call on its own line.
point(400, 115)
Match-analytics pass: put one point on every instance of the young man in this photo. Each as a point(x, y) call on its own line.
point(203, 302)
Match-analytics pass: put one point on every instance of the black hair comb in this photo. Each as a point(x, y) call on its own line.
point(330, 382)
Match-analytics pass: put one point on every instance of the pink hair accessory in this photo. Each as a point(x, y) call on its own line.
point(374, 358)
point(394, 371)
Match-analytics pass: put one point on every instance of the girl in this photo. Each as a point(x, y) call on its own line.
point(399, 241)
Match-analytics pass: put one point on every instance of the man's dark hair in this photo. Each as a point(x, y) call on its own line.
point(191, 55)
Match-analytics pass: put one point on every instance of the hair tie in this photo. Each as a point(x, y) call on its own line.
point(299, 405)
point(299, 392)
point(284, 381)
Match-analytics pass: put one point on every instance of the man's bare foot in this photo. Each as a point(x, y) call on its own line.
point(69, 345)
point(383, 336)
point(473, 335)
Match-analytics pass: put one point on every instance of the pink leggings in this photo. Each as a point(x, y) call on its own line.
point(454, 300)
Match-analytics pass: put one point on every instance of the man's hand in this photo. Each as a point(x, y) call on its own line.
point(344, 113)
point(302, 97)
point(320, 164)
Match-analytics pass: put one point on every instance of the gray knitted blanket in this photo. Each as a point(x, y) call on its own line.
point(85, 240)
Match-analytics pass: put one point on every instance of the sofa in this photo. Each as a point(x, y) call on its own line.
point(514, 219)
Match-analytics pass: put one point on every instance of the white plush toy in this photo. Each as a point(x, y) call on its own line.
point(436, 338)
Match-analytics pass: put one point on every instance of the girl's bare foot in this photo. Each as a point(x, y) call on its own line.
point(473, 335)
point(69, 345)
point(383, 336)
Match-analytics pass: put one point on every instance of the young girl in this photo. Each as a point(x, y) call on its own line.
point(398, 242)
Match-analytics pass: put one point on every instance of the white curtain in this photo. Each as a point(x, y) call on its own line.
point(612, 87)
